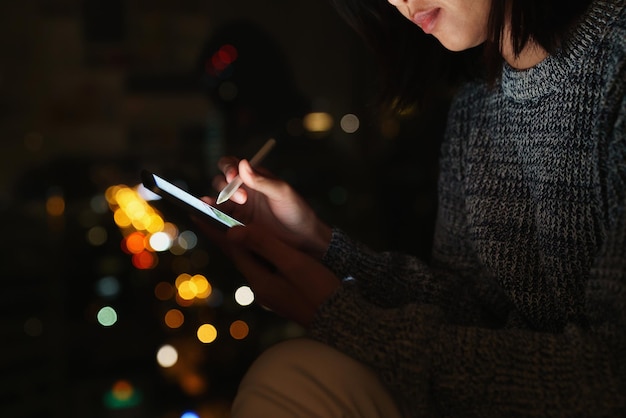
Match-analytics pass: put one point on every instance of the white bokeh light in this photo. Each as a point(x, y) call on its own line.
point(167, 356)
point(244, 296)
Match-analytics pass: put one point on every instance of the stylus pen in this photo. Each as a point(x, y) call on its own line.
point(232, 187)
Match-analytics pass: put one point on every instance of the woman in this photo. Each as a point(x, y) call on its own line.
point(522, 310)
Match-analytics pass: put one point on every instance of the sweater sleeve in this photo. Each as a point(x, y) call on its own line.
point(450, 370)
point(386, 278)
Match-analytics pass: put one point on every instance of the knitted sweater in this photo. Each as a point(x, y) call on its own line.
point(522, 309)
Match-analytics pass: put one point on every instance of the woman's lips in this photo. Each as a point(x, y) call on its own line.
point(426, 19)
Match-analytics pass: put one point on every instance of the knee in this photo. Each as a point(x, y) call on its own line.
point(303, 377)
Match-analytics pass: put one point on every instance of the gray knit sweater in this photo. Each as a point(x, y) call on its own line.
point(522, 310)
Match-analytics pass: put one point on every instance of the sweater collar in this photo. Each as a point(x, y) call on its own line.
point(550, 73)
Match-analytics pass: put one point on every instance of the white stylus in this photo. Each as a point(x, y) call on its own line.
point(232, 187)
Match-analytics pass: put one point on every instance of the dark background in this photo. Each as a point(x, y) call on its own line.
point(93, 91)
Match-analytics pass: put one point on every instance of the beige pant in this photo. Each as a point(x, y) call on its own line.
point(304, 378)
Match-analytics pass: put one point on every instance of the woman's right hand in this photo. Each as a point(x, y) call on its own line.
point(270, 202)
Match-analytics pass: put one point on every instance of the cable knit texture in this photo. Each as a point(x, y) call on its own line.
point(522, 309)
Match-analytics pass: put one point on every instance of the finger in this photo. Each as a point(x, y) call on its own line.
point(228, 166)
point(306, 274)
point(271, 290)
point(271, 187)
point(240, 196)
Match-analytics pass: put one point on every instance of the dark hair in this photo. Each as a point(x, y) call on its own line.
point(415, 65)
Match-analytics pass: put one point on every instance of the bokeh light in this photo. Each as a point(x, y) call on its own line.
point(160, 241)
point(108, 287)
point(144, 260)
point(55, 205)
point(107, 316)
point(192, 287)
point(174, 318)
point(349, 123)
point(244, 296)
point(163, 291)
point(193, 384)
point(167, 356)
point(318, 122)
point(207, 333)
point(97, 236)
point(122, 395)
point(135, 243)
point(239, 330)
point(187, 240)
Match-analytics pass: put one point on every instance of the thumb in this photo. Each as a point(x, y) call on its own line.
point(271, 187)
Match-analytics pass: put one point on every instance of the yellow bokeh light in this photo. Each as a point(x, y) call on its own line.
point(154, 223)
point(318, 122)
point(203, 287)
point(183, 277)
point(110, 194)
point(207, 333)
point(124, 196)
point(121, 219)
point(135, 209)
point(187, 290)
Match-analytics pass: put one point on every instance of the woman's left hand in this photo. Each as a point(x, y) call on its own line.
point(284, 279)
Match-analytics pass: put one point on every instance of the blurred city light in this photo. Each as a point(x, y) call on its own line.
point(239, 330)
point(108, 287)
point(221, 60)
point(167, 356)
point(244, 296)
point(187, 240)
point(144, 260)
point(207, 333)
point(318, 122)
point(55, 205)
point(174, 318)
point(97, 236)
point(107, 316)
point(349, 123)
point(163, 291)
point(193, 384)
point(122, 395)
point(160, 241)
point(192, 287)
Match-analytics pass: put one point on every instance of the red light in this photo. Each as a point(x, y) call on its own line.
point(227, 54)
point(224, 56)
point(144, 260)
